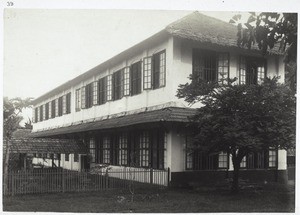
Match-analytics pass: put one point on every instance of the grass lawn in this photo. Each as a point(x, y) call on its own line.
point(271, 198)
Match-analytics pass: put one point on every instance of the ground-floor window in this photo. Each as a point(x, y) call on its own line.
point(106, 150)
point(123, 150)
point(199, 160)
point(142, 148)
point(92, 150)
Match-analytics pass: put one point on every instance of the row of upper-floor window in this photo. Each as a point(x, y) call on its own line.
point(214, 66)
point(150, 72)
point(55, 108)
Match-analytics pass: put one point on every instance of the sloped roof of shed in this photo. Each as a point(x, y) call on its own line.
point(170, 114)
point(45, 145)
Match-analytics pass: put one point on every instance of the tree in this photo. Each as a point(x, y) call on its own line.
point(12, 108)
point(277, 31)
point(239, 119)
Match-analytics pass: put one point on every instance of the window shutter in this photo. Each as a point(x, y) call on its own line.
point(68, 103)
point(122, 80)
point(114, 86)
point(87, 96)
point(223, 67)
point(139, 77)
point(104, 81)
point(83, 98)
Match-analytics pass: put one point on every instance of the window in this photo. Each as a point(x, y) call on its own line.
point(272, 158)
point(159, 69)
point(122, 150)
point(126, 81)
point(211, 66)
point(252, 70)
point(95, 93)
point(68, 103)
point(109, 88)
point(118, 84)
point(41, 113)
point(199, 160)
point(223, 160)
point(102, 90)
point(223, 67)
point(56, 108)
point(204, 64)
point(106, 150)
point(60, 106)
point(67, 157)
point(78, 100)
point(76, 157)
point(92, 150)
point(89, 95)
point(147, 75)
point(64, 104)
point(46, 111)
point(256, 160)
point(53, 109)
point(144, 149)
point(135, 74)
point(243, 162)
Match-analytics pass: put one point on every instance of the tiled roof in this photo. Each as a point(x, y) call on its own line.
point(206, 29)
point(45, 145)
point(170, 114)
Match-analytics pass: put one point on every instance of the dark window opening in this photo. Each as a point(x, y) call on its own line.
point(136, 74)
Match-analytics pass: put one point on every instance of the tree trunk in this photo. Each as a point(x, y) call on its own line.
point(235, 182)
point(5, 169)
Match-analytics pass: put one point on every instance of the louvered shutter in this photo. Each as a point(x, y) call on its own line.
point(83, 105)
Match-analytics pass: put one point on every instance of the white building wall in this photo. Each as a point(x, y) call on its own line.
point(147, 98)
point(282, 159)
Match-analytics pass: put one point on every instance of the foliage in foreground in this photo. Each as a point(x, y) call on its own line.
point(239, 119)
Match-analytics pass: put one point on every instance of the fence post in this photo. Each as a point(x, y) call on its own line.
point(13, 183)
point(168, 177)
point(151, 175)
point(63, 180)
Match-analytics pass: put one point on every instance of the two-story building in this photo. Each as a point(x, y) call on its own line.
point(127, 112)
